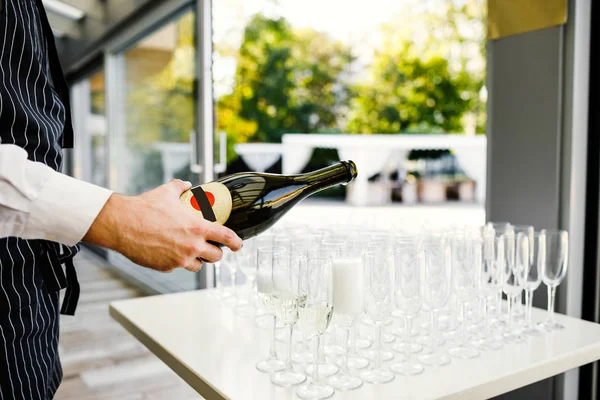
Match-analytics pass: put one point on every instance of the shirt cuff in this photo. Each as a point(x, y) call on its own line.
point(66, 208)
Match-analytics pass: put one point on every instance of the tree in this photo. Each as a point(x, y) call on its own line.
point(408, 92)
point(285, 81)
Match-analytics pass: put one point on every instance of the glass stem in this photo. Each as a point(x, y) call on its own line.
point(315, 374)
point(354, 348)
point(378, 338)
point(407, 330)
point(510, 313)
point(218, 276)
point(434, 321)
point(486, 317)
point(431, 330)
point(551, 299)
point(288, 362)
point(499, 304)
point(463, 324)
point(272, 350)
point(232, 274)
point(345, 338)
point(528, 305)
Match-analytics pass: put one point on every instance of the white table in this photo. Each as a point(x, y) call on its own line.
point(215, 351)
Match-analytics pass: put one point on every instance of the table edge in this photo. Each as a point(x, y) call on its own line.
point(205, 389)
point(519, 379)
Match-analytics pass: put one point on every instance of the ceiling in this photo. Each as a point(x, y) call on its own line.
point(79, 24)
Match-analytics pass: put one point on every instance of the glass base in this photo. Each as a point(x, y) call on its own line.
point(407, 368)
point(325, 370)
point(287, 378)
point(434, 359)
point(463, 352)
point(550, 326)
point(487, 343)
point(385, 355)
point(377, 376)
point(426, 341)
point(302, 358)
point(386, 338)
point(315, 391)
point(345, 382)
point(400, 332)
point(401, 348)
point(362, 343)
point(354, 362)
point(333, 350)
point(269, 366)
point(532, 331)
point(441, 326)
point(513, 337)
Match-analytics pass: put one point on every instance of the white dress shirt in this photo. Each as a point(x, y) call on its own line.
point(37, 202)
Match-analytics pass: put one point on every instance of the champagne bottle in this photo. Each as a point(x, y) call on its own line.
point(249, 203)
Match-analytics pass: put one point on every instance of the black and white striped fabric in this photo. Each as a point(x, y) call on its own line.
point(35, 115)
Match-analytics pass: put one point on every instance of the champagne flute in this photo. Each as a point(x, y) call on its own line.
point(264, 286)
point(378, 303)
point(532, 277)
point(408, 296)
point(285, 299)
point(246, 258)
point(300, 247)
point(492, 249)
point(437, 278)
point(555, 262)
point(528, 231)
point(498, 229)
point(464, 249)
point(315, 286)
point(517, 253)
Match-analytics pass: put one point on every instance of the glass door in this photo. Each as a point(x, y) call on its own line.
point(89, 118)
point(153, 122)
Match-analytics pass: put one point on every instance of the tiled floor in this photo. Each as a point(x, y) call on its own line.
point(100, 359)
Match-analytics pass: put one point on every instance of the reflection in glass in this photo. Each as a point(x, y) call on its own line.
point(159, 108)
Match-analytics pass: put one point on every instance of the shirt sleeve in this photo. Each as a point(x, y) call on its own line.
point(37, 202)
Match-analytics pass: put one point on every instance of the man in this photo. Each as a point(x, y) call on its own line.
point(44, 214)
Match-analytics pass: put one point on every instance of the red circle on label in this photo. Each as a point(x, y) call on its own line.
point(194, 203)
point(209, 196)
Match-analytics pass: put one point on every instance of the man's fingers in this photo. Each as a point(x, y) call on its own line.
point(210, 253)
point(179, 186)
point(225, 236)
point(195, 266)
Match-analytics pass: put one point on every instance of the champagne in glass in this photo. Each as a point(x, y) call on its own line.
point(285, 299)
point(314, 314)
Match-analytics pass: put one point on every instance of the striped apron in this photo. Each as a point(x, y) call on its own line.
point(35, 115)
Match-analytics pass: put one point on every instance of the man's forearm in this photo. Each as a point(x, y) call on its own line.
point(37, 202)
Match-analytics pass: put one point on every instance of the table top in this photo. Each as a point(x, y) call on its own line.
point(215, 351)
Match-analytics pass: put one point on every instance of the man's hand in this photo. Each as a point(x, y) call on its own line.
point(156, 231)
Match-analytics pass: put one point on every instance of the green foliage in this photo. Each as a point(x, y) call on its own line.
point(286, 81)
point(410, 92)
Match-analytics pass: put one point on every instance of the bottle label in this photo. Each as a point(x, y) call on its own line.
point(211, 201)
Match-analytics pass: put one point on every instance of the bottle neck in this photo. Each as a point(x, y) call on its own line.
point(339, 173)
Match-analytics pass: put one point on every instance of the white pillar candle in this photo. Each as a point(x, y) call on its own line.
point(348, 285)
